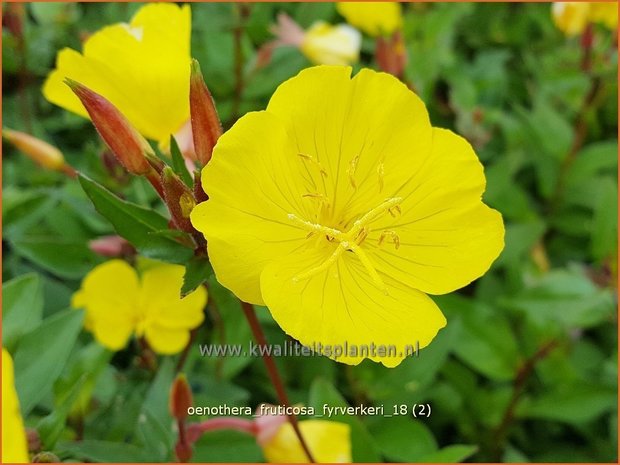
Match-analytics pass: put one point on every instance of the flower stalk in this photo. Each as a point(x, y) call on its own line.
point(274, 375)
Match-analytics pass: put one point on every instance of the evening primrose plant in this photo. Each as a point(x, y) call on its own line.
point(289, 194)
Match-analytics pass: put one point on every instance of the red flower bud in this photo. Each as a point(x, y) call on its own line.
point(206, 126)
point(124, 140)
point(180, 397)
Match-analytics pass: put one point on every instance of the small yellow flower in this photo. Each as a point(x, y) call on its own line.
point(142, 68)
point(340, 207)
point(374, 18)
point(605, 13)
point(325, 44)
point(119, 303)
point(14, 445)
point(329, 442)
point(573, 17)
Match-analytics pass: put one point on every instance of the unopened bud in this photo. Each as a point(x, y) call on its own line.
point(124, 140)
point(110, 246)
point(38, 150)
point(206, 126)
point(180, 397)
point(179, 198)
point(391, 54)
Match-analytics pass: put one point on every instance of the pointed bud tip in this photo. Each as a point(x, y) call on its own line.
point(73, 85)
point(195, 69)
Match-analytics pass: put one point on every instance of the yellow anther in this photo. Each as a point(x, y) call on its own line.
point(363, 234)
point(312, 161)
point(323, 200)
point(380, 173)
point(394, 211)
point(351, 170)
point(392, 235)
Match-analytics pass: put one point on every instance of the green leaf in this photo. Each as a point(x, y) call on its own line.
point(574, 404)
point(155, 420)
point(487, 341)
point(403, 439)
point(227, 447)
point(605, 220)
point(362, 443)
point(42, 354)
point(564, 298)
point(178, 163)
point(22, 308)
point(23, 209)
point(235, 327)
point(197, 271)
point(64, 257)
point(452, 454)
point(136, 223)
point(104, 451)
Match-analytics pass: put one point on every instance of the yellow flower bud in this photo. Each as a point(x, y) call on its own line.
point(325, 44)
point(38, 150)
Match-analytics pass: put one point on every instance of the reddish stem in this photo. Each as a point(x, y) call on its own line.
point(274, 375)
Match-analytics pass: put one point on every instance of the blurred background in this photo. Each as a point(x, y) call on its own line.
point(526, 369)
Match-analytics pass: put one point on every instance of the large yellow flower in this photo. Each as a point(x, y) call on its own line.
point(14, 447)
point(374, 18)
point(329, 442)
point(340, 207)
point(119, 303)
point(142, 68)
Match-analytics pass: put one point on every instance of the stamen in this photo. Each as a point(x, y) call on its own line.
point(392, 235)
point(380, 173)
point(375, 213)
point(311, 160)
point(314, 227)
point(369, 267)
point(323, 266)
point(351, 170)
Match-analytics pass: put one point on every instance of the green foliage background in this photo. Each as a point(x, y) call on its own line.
point(526, 369)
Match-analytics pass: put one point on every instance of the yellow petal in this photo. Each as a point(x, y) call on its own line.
point(605, 13)
point(142, 68)
point(329, 442)
point(356, 129)
point(342, 305)
point(374, 18)
point(166, 340)
point(325, 44)
point(571, 17)
point(245, 219)
point(14, 446)
point(110, 296)
point(161, 301)
point(447, 236)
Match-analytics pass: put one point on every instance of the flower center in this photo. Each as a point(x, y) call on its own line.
point(352, 239)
